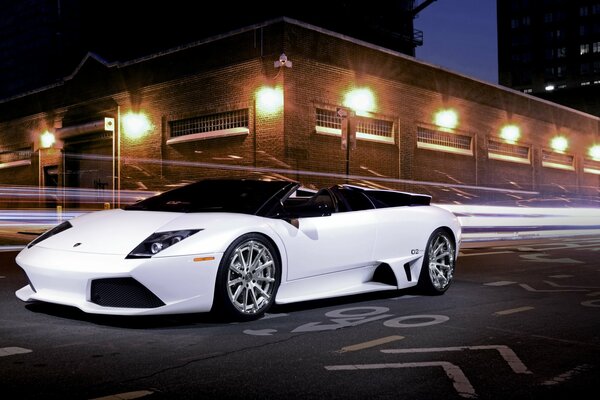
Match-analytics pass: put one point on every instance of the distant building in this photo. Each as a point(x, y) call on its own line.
point(284, 97)
point(44, 40)
point(551, 49)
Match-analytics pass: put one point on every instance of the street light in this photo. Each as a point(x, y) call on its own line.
point(269, 99)
point(47, 139)
point(136, 125)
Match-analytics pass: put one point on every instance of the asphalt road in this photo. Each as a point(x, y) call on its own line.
point(521, 321)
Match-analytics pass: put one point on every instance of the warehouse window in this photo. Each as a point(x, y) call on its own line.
point(229, 123)
point(378, 130)
point(432, 139)
point(552, 159)
point(15, 156)
point(591, 166)
point(508, 152)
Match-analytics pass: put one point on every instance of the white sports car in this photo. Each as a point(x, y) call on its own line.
point(238, 246)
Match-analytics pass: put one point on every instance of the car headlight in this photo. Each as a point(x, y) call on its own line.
point(159, 241)
point(57, 229)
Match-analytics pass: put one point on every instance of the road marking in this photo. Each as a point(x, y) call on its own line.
point(408, 296)
point(506, 352)
point(514, 310)
point(270, 316)
point(539, 257)
point(399, 321)
point(561, 276)
point(260, 332)
point(567, 375)
point(9, 351)
point(591, 303)
point(499, 283)
point(459, 379)
point(484, 254)
point(126, 396)
point(371, 343)
point(570, 286)
point(593, 294)
point(530, 289)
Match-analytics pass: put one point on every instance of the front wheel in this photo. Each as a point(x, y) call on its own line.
point(248, 278)
point(438, 264)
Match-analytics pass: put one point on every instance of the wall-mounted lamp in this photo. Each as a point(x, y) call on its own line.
point(47, 139)
point(446, 119)
point(594, 152)
point(136, 125)
point(361, 100)
point(269, 99)
point(559, 144)
point(510, 133)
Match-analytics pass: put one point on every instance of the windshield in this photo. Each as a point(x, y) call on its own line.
point(227, 195)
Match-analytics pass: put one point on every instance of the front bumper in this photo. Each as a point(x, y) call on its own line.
point(181, 283)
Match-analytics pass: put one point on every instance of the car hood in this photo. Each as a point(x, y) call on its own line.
point(109, 232)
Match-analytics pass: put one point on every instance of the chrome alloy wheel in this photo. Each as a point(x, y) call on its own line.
point(251, 277)
point(441, 261)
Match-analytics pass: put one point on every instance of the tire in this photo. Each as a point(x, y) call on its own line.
point(248, 278)
point(438, 263)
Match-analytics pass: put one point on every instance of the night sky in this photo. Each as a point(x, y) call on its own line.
point(461, 35)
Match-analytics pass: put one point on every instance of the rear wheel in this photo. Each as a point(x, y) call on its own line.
point(248, 278)
point(438, 264)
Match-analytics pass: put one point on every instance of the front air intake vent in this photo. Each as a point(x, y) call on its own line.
point(123, 293)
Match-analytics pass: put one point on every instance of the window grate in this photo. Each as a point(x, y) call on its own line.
point(328, 119)
point(444, 141)
point(210, 123)
point(553, 159)
point(508, 150)
point(15, 155)
point(379, 128)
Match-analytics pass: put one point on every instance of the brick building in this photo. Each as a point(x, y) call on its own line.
point(221, 106)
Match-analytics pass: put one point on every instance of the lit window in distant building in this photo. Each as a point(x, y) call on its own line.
point(561, 52)
point(548, 17)
point(561, 71)
point(528, 90)
point(585, 83)
point(526, 20)
point(596, 8)
point(584, 68)
point(583, 11)
point(596, 47)
point(596, 67)
point(514, 23)
point(584, 30)
point(584, 48)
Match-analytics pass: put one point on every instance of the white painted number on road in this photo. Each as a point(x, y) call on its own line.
point(430, 320)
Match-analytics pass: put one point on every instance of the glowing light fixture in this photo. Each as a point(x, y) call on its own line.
point(136, 125)
point(549, 87)
point(559, 144)
point(510, 133)
point(269, 99)
point(47, 139)
point(594, 152)
point(446, 119)
point(361, 100)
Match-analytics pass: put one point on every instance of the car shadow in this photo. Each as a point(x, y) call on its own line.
point(194, 320)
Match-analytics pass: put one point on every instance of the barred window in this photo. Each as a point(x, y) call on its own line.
point(209, 126)
point(432, 139)
point(591, 166)
point(379, 130)
point(553, 159)
point(16, 157)
point(498, 150)
point(328, 119)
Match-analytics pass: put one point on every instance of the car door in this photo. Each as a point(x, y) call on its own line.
point(326, 244)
